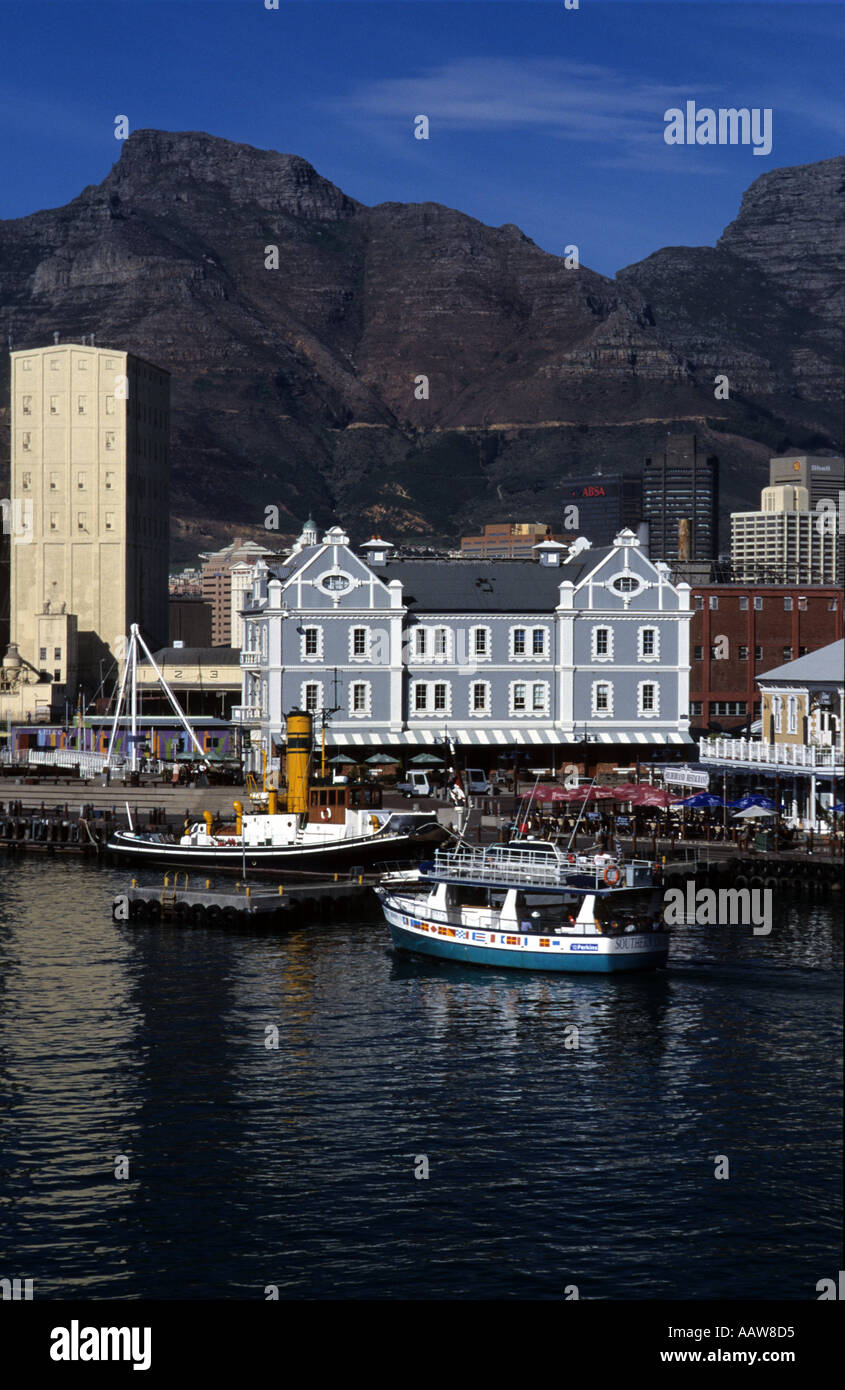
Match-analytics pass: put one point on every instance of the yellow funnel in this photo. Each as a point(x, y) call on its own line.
point(299, 743)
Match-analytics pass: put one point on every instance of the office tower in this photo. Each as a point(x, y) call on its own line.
point(823, 477)
point(90, 467)
point(607, 503)
point(682, 485)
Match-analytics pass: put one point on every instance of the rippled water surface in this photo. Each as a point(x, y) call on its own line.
point(549, 1165)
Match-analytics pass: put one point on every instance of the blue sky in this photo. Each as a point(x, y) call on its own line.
point(539, 115)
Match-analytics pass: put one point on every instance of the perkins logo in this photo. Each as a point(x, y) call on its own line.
point(584, 946)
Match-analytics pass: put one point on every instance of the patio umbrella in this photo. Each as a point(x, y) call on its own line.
point(652, 796)
point(380, 759)
point(838, 808)
point(748, 800)
point(702, 801)
point(753, 813)
point(427, 758)
point(342, 758)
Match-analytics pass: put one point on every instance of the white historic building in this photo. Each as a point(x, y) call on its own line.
point(577, 645)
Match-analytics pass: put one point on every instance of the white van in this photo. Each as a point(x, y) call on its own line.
point(415, 783)
point(476, 782)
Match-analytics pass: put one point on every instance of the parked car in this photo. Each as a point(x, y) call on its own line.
point(415, 783)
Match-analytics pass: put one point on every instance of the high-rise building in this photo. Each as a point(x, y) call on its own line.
point(823, 477)
point(90, 470)
point(785, 547)
point(217, 583)
point(607, 503)
point(681, 501)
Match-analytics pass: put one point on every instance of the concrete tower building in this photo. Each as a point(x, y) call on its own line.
point(90, 468)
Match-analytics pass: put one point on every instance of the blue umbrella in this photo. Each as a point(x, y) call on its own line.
point(701, 800)
point(748, 800)
point(839, 807)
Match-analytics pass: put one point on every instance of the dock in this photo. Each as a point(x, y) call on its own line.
point(198, 904)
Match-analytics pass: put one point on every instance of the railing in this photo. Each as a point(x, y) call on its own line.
point(533, 868)
point(89, 764)
point(247, 714)
point(250, 658)
point(788, 755)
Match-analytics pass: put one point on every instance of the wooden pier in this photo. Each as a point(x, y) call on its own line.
point(196, 903)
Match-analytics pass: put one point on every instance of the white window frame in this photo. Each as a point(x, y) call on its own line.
point(303, 701)
point(367, 708)
point(596, 656)
point(524, 712)
point(514, 654)
point(792, 714)
point(474, 654)
point(487, 708)
point(642, 712)
point(305, 656)
point(415, 711)
point(642, 654)
point(601, 713)
point(543, 709)
point(420, 643)
point(359, 656)
point(777, 714)
point(441, 636)
point(543, 654)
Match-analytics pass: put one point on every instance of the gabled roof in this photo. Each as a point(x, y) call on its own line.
point(826, 664)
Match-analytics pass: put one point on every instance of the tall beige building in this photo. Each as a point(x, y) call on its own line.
point(90, 453)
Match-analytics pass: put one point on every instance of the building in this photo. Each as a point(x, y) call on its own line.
point(786, 545)
point(190, 621)
point(801, 751)
point(739, 631)
point(205, 680)
point(506, 540)
point(606, 503)
point(575, 647)
point(681, 501)
point(187, 582)
point(217, 584)
point(90, 467)
point(822, 476)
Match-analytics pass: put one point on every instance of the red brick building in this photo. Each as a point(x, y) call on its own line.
point(740, 631)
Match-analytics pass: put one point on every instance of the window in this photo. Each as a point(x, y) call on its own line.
point(518, 696)
point(714, 602)
point(539, 697)
point(54, 405)
point(481, 641)
point(54, 521)
point(54, 482)
point(312, 696)
point(792, 715)
point(57, 653)
point(440, 696)
point(626, 584)
point(335, 583)
point(729, 707)
point(695, 707)
point(80, 482)
point(787, 653)
point(479, 697)
point(109, 439)
point(27, 364)
point(82, 364)
point(82, 405)
point(57, 675)
point(26, 482)
point(698, 653)
point(109, 521)
point(538, 641)
point(518, 641)
point(359, 642)
point(360, 697)
point(699, 601)
point(777, 713)
point(109, 480)
point(802, 604)
point(648, 698)
point(743, 603)
point(421, 642)
point(743, 653)
point(758, 604)
point(81, 521)
point(26, 440)
point(787, 605)
point(649, 644)
point(42, 654)
point(602, 644)
point(54, 364)
point(831, 605)
point(602, 698)
point(110, 405)
point(311, 644)
point(802, 651)
point(758, 653)
point(420, 698)
point(26, 405)
point(441, 642)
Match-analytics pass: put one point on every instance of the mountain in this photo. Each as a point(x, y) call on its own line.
point(295, 386)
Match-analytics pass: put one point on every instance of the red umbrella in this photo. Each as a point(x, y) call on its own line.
point(653, 796)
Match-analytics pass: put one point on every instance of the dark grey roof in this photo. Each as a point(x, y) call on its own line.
point(824, 664)
point(486, 586)
point(199, 656)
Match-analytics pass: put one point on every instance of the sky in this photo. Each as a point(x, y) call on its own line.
point(549, 117)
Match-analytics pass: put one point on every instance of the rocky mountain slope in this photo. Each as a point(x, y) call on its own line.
point(295, 386)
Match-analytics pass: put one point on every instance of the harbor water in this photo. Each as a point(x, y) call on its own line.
point(311, 1113)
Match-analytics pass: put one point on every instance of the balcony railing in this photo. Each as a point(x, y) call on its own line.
point(787, 755)
point(247, 714)
point(250, 658)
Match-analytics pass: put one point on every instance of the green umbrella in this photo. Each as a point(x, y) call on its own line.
point(342, 758)
point(380, 758)
point(427, 758)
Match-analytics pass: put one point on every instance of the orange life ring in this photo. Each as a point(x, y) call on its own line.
point(325, 813)
point(617, 875)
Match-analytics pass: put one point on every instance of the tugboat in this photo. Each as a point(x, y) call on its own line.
point(527, 905)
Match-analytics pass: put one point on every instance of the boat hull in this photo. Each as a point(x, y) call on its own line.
point(597, 955)
point(271, 859)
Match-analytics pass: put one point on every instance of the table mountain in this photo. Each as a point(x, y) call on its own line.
point(298, 386)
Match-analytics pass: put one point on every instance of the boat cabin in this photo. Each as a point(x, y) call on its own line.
point(328, 804)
